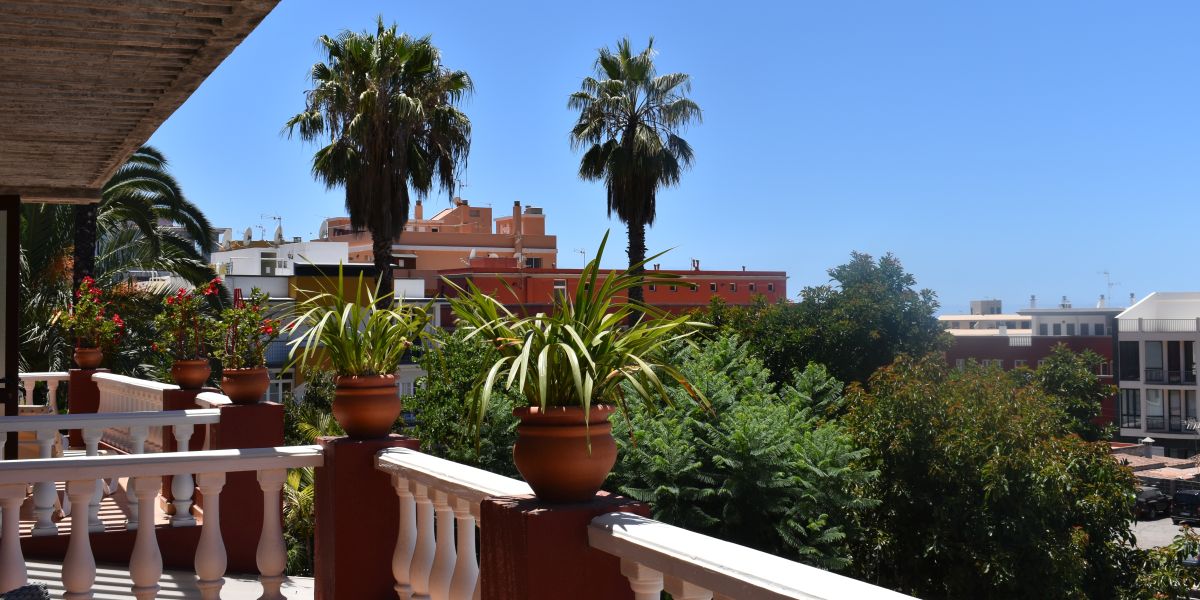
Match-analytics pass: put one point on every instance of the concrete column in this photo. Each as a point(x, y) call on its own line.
point(539, 551)
point(357, 519)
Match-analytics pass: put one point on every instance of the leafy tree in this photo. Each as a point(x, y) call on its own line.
point(629, 122)
point(983, 493)
point(303, 422)
point(1070, 378)
point(870, 313)
point(762, 469)
point(440, 403)
point(140, 195)
point(1162, 574)
point(388, 109)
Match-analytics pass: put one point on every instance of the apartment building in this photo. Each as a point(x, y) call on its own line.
point(1156, 368)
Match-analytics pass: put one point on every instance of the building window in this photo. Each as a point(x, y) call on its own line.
point(770, 287)
point(1058, 329)
point(560, 285)
point(673, 288)
point(712, 287)
point(1070, 329)
point(1128, 361)
point(960, 363)
point(733, 287)
point(1018, 363)
point(752, 287)
point(433, 229)
point(653, 287)
point(1041, 361)
point(1083, 329)
point(1042, 330)
point(474, 212)
point(533, 263)
point(1104, 368)
point(1098, 329)
point(1131, 410)
point(1154, 363)
point(1155, 420)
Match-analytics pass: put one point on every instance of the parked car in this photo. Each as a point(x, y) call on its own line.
point(1186, 505)
point(1151, 503)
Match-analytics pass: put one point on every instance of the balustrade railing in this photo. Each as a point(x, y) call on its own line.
point(145, 472)
point(92, 427)
point(1158, 325)
point(52, 379)
point(122, 394)
point(439, 561)
point(692, 566)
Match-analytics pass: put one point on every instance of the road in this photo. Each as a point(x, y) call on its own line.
point(1152, 534)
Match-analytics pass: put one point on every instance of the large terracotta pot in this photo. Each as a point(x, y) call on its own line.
point(366, 407)
point(88, 358)
point(245, 386)
point(191, 374)
point(552, 451)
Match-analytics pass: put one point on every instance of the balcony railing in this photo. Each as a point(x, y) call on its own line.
point(1129, 421)
point(29, 382)
point(1156, 423)
point(1158, 325)
point(1155, 375)
point(146, 472)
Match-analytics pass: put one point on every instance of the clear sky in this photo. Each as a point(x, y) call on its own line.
point(998, 149)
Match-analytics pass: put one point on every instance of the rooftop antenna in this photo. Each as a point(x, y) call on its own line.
point(582, 252)
point(262, 232)
point(1109, 282)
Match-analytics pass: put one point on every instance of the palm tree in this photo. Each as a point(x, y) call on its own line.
point(388, 110)
point(142, 195)
point(629, 123)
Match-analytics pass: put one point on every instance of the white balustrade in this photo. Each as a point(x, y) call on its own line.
point(93, 428)
point(145, 472)
point(692, 566)
point(52, 380)
point(436, 558)
point(122, 394)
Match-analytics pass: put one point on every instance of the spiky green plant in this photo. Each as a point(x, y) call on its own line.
point(580, 353)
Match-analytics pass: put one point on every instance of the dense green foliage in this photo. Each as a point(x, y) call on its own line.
point(763, 469)
point(303, 422)
point(1161, 573)
point(387, 111)
point(1070, 377)
point(984, 494)
point(630, 118)
point(440, 401)
point(869, 314)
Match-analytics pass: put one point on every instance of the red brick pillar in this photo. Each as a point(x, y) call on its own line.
point(245, 426)
point(539, 551)
point(357, 520)
point(83, 397)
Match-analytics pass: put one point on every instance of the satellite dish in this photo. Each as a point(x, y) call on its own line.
point(226, 237)
point(248, 236)
point(279, 234)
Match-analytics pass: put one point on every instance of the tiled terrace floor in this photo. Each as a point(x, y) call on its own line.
point(112, 583)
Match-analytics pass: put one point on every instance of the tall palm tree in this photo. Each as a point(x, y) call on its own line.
point(629, 123)
point(388, 110)
point(141, 195)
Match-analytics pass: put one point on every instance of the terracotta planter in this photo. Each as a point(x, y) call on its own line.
point(245, 386)
point(88, 358)
point(366, 407)
point(191, 374)
point(552, 451)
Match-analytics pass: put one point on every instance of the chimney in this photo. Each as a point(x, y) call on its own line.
point(656, 265)
point(518, 229)
point(1065, 303)
point(695, 264)
point(1131, 298)
point(418, 212)
point(1100, 304)
point(1147, 447)
point(1032, 301)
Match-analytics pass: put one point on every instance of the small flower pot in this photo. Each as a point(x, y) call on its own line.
point(552, 451)
point(88, 358)
point(191, 374)
point(245, 386)
point(366, 407)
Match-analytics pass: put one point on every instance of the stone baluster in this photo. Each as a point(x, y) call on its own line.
point(137, 435)
point(145, 564)
point(422, 561)
point(443, 562)
point(52, 395)
point(683, 590)
point(211, 559)
point(647, 583)
point(91, 442)
point(406, 539)
point(12, 562)
point(79, 567)
point(272, 553)
point(27, 397)
point(181, 483)
point(44, 493)
point(466, 567)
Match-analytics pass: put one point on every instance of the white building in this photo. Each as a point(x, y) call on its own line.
point(1156, 368)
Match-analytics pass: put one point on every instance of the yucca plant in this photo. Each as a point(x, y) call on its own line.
point(348, 328)
point(581, 353)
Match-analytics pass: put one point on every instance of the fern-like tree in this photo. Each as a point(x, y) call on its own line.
point(629, 123)
point(387, 112)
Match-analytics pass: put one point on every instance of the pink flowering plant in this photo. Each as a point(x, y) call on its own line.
point(87, 319)
point(183, 325)
point(241, 336)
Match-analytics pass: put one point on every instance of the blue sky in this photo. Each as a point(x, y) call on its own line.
point(998, 149)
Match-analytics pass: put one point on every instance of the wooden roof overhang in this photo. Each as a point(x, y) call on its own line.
point(84, 83)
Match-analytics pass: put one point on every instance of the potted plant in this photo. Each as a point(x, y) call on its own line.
point(240, 338)
point(574, 366)
point(183, 328)
point(363, 340)
point(85, 321)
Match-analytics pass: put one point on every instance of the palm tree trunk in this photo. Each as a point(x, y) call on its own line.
point(381, 247)
point(85, 243)
point(637, 254)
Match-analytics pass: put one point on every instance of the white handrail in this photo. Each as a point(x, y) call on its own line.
point(52, 379)
point(444, 566)
point(146, 472)
point(195, 416)
point(123, 394)
point(687, 564)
